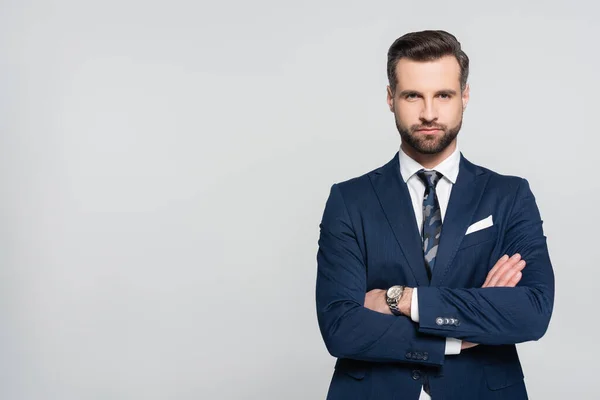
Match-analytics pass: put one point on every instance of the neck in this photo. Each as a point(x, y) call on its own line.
point(429, 161)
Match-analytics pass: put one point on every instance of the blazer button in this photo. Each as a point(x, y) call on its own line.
point(409, 355)
point(416, 374)
point(446, 321)
point(452, 321)
point(418, 355)
point(425, 357)
point(439, 321)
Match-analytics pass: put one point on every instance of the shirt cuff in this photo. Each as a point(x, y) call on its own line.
point(414, 306)
point(453, 346)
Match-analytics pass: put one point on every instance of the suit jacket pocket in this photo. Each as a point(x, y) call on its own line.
point(502, 375)
point(351, 381)
point(477, 237)
point(354, 368)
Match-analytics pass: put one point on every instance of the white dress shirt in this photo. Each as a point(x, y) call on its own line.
point(449, 169)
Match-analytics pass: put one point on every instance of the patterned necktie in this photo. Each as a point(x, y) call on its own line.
point(432, 218)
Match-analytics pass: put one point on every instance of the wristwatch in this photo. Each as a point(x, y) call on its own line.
point(392, 297)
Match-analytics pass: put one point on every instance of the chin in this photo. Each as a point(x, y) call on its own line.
point(423, 150)
point(431, 146)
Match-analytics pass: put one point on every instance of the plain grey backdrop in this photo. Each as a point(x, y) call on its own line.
point(164, 167)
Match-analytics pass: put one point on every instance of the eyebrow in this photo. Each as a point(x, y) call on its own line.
point(444, 91)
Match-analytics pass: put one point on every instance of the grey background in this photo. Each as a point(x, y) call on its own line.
point(165, 165)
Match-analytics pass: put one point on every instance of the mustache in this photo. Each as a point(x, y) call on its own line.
point(415, 128)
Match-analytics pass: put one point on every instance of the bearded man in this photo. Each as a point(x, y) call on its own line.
point(431, 268)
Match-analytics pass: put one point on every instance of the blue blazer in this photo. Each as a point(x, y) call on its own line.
point(369, 239)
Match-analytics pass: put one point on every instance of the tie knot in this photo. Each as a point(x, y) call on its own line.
point(430, 178)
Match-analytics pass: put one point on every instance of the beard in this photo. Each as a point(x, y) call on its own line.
point(428, 144)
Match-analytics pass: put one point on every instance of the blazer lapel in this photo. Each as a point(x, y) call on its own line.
point(396, 203)
point(464, 199)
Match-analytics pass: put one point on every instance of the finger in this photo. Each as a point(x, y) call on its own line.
point(497, 269)
point(515, 279)
point(498, 264)
point(507, 265)
point(508, 275)
point(467, 345)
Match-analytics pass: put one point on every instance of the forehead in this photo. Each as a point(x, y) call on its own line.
point(443, 73)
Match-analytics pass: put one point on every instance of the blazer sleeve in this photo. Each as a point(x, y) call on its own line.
point(350, 330)
point(500, 315)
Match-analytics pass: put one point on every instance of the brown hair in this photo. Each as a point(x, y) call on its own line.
point(426, 46)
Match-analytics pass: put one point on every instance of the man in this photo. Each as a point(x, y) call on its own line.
point(431, 268)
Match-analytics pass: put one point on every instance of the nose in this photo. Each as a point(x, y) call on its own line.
point(428, 112)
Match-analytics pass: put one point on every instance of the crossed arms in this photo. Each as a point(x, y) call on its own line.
point(494, 314)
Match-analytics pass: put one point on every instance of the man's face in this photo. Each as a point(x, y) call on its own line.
point(428, 104)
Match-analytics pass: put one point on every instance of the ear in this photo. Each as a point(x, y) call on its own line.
point(466, 96)
point(390, 98)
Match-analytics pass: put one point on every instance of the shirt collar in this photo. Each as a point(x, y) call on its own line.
point(449, 167)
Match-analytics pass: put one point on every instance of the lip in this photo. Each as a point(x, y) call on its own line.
point(428, 130)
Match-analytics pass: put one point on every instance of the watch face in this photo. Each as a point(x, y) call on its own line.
point(394, 292)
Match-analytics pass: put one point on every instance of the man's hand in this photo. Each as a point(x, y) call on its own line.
point(375, 300)
point(467, 345)
point(506, 273)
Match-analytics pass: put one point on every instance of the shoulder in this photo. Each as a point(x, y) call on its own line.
point(361, 186)
point(503, 183)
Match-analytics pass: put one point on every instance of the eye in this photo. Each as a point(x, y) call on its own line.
point(445, 96)
point(411, 96)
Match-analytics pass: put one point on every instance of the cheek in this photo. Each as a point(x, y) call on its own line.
point(452, 114)
point(407, 114)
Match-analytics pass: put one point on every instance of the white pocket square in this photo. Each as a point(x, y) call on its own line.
point(479, 225)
